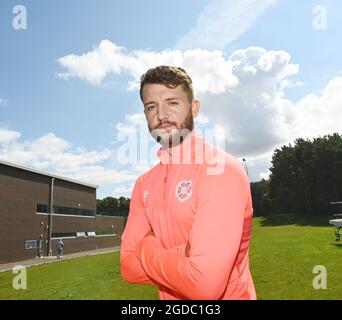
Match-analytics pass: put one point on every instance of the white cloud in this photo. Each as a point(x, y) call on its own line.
point(131, 123)
point(222, 22)
point(8, 136)
point(105, 176)
point(124, 189)
point(95, 65)
point(258, 166)
point(201, 119)
point(210, 70)
point(243, 93)
point(56, 155)
point(255, 113)
point(319, 113)
point(314, 115)
point(136, 147)
point(141, 168)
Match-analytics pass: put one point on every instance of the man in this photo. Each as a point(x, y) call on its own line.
point(59, 247)
point(189, 224)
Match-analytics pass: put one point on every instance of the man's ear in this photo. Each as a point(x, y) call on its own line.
point(195, 106)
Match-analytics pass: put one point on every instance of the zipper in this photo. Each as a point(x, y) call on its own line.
point(165, 203)
point(165, 180)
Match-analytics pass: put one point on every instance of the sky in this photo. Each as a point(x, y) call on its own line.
point(265, 71)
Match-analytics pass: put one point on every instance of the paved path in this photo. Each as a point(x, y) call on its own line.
point(52, 259)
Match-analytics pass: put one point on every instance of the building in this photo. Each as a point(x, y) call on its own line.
point(27, 227)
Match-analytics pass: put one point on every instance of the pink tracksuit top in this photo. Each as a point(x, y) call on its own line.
point(201, 196)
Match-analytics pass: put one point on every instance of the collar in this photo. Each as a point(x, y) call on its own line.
point(183, 153)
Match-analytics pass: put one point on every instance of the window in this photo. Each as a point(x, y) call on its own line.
point(44, 208)
point(80, 234)
point(91, 234)
point(63, 234)
point(30, 244)
point(105, 233)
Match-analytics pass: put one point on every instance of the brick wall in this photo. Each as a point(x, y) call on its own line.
point(21, 190)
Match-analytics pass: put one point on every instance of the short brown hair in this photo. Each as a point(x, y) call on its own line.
point(169, 76)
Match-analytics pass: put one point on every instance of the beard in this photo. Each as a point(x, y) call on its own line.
point(177, 135)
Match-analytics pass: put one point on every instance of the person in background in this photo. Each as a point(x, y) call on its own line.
point(60, 248)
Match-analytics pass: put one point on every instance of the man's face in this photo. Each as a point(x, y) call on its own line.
point(169, 113)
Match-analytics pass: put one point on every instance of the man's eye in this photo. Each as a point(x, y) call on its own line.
point(173, 103)
point(149, 108)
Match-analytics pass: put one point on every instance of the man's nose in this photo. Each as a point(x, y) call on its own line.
point(162, 113)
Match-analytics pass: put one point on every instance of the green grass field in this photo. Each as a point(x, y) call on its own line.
point(283, 253)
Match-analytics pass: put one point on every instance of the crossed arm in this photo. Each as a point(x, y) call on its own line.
point(199, 269)
point(137, 229)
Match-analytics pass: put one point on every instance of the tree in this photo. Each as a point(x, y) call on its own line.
point(113, 207)
point(261, 198)
point(307, 176)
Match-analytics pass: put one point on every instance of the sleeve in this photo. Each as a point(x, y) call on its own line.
point(136, 228)
point(180, 249)
point(214, 239)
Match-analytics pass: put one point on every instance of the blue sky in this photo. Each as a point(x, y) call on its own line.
point(71, 117)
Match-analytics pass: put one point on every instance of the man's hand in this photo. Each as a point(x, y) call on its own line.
point(187, 247)
point(148, 233)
